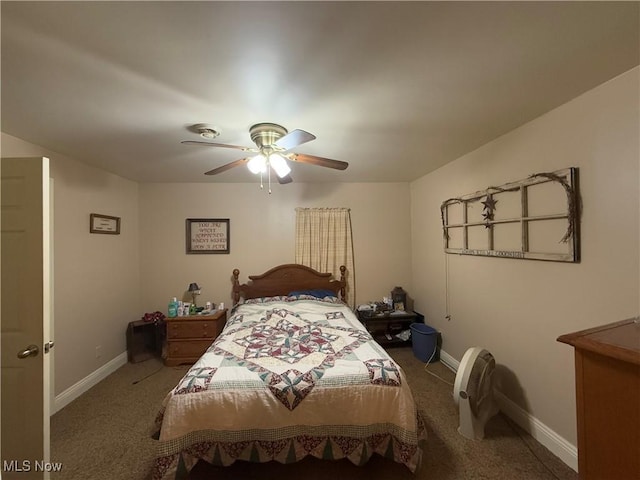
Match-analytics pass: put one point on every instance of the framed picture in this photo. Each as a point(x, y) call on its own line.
point(207, 235)
point(104, 224)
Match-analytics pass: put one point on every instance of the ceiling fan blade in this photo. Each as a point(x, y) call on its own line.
point(284, 180)
point(223, 145)
point(319, 161)
point(227, 166)
point(294, 138)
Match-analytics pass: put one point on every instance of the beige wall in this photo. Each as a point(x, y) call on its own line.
point(96, 277)
point(102, 282)
point(262, 235)
point(517, 308)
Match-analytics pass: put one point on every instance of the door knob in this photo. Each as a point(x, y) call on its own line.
point(31, 350)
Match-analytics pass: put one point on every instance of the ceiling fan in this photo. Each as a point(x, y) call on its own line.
point(273, 143)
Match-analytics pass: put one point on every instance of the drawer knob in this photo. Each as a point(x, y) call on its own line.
point(204, 325)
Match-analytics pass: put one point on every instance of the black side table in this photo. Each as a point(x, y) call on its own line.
point(385, 327)
point(144, 340)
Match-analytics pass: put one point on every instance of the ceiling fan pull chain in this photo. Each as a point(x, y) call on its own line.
point(269, 170)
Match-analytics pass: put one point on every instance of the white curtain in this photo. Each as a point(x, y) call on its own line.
point(324, 243)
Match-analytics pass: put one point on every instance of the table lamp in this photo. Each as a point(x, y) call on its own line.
point(194, 290)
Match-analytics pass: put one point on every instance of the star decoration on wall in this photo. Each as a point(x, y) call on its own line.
point(488, 210)
point(490, 203)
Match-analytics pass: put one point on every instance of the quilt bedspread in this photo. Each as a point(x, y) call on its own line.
point(289, 378)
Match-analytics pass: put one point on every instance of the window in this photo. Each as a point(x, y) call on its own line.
point(324, 243)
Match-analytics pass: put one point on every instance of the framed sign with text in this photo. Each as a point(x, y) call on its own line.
point(104, 224)
point(207, 235)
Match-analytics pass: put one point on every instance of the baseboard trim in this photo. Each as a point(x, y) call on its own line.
point(74, 391)
point(558, 445)
point(448, 361)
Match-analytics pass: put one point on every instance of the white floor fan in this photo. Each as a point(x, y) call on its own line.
point(473, 392)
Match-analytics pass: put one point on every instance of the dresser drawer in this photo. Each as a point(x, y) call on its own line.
point(189, 337)
point(193, 329)
point(191, 348)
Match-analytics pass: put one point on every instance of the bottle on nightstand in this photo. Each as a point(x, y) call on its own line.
point(173, 308)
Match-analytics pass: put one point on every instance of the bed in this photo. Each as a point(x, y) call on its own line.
point(293, 374)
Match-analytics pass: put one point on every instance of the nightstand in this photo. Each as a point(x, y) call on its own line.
point(190, 336)
point(384, 327)
point(143, 340)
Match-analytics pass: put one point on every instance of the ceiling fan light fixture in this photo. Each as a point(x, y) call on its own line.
point(257, 164)
point(279, 165)
point(273, 143)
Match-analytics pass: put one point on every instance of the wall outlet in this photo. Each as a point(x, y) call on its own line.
point(98, 351)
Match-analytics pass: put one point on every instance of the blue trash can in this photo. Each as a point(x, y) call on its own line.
point(424, 340)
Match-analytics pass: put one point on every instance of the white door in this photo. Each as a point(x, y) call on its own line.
point(25, 317)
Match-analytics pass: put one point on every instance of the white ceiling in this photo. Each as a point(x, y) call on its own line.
point(396, 89)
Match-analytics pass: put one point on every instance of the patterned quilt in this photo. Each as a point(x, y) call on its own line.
point(289, 377)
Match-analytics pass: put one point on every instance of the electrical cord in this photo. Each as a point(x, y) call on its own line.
point(447, 301)
point(437, 376)
point(433, 354)
point(144, 378)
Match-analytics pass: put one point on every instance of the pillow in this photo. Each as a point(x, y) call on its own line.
point(317, 293)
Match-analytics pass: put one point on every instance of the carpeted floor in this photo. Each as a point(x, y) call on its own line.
point(106, 435)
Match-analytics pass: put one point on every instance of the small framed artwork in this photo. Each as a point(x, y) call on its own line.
point(399, 306)
point(207, 235)
point(99, 223)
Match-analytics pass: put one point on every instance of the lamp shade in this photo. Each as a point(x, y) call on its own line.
point(279, 164)
point(257, 164)
point(193, 287)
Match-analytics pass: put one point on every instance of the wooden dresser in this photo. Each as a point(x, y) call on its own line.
point(189, 337)
point(607, 362)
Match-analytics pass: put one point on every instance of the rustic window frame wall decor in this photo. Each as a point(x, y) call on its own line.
point(525, 218)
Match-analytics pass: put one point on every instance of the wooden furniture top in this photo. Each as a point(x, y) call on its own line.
point(619, 340)
point(214, 315)
point(283, 279)
point(398, 314)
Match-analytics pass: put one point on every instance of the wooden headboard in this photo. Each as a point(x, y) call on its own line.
point(283, 279)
